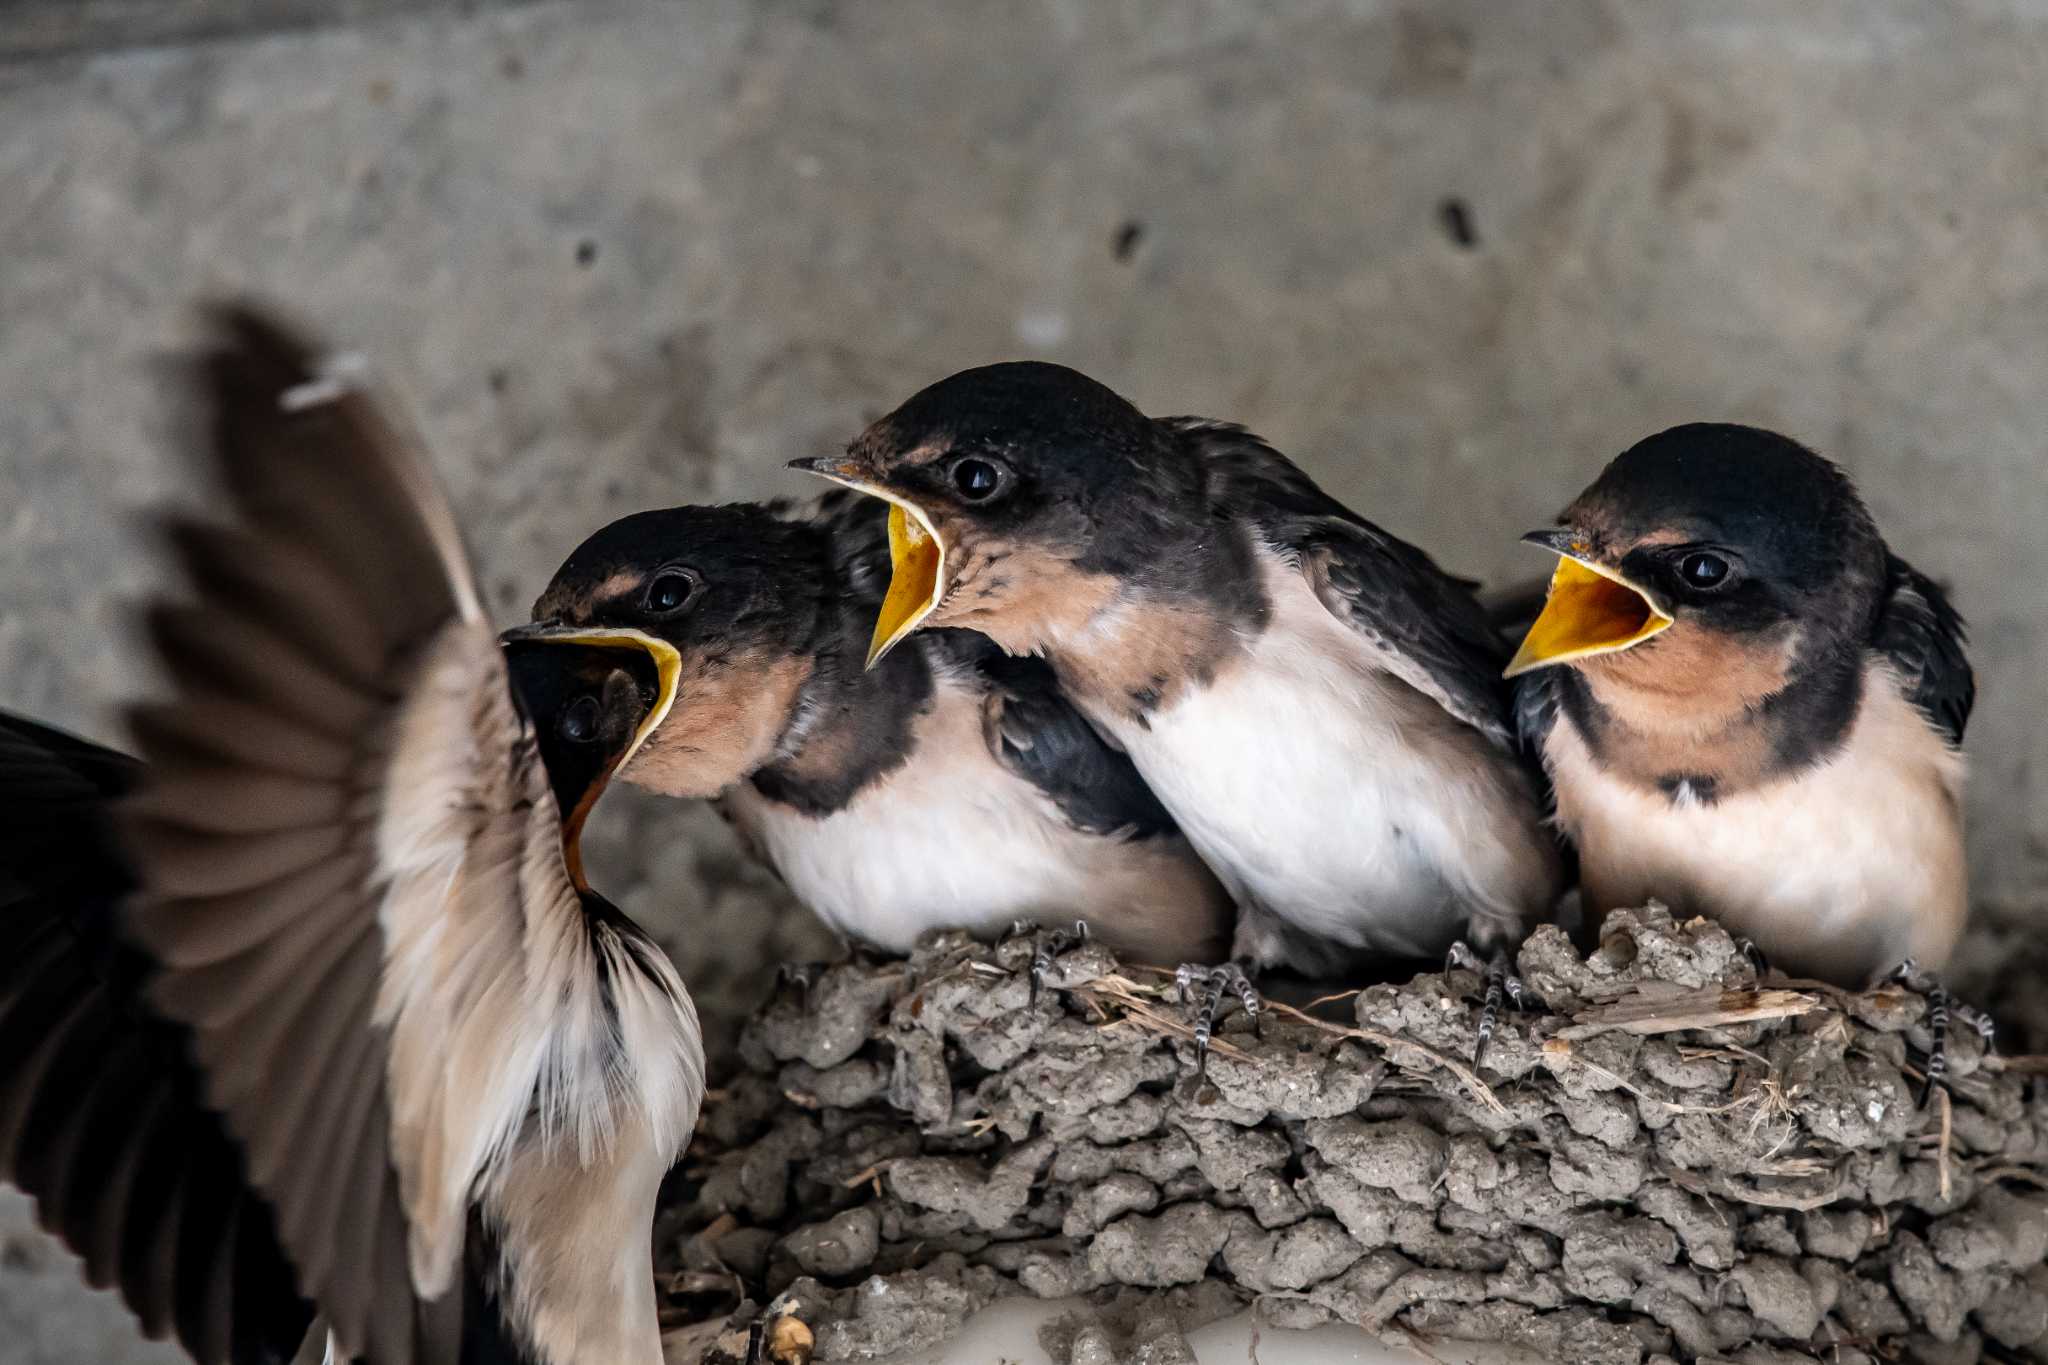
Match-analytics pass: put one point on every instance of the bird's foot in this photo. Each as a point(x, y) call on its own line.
point(1501, 983)
point(861, 953)
point(1752, 954)
point(1055, 942)
point(798, 977)
point(1205, 987)
point(1941, 1009)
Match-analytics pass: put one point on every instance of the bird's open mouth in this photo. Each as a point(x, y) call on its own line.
point(667, 660)
point(917, 557)
point(1591, 610)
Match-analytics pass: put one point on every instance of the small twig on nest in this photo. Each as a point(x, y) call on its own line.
point(1125, 995)
point(1559, 1048)
point(1391, 1043)
point(873, 1174)
point(2035, 1065)
point(1947, 1136)
point(1729, 1188)
point(1709, 1008)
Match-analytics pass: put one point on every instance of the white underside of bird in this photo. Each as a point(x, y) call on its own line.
point(1335, 797)
point(953, 840)
point(1840, 870)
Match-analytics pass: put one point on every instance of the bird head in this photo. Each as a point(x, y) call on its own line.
point(1000, 482)
point(1701, 538)
point(731, 600)
point(592, 698)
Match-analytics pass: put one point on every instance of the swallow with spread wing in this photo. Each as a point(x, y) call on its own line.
point(948, 786)
point(312, 1010)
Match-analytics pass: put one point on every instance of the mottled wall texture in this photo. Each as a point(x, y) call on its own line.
point(1452, 256)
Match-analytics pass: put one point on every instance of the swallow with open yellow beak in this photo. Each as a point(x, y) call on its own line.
point(1313, 699)
point(312, 1011)
point(947, 786)
point(1750, 708)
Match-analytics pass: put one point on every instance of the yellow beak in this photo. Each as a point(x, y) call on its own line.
point(917, 557)
point(1591, 610)
point(668, 666)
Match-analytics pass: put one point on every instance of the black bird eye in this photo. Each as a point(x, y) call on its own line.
point(671, 590)
point(1703, 571)
point(578, 724)
point(977, 479)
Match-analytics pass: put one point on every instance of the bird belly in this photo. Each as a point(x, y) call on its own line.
point(952, 840)
point(1332, 795)
point(1838, 872)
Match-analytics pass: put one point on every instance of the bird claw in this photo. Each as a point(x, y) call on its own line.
point(1051, 946)
point(1501, 983)
point(861, 953)
point(801, 975)
point(1941, 1008)
point(1213, 982)
point(1752, 954)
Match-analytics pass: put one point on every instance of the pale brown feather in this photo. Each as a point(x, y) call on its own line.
point(354, 869)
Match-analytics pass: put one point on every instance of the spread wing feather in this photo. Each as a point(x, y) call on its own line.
point(102, 1116)
point(322, 835)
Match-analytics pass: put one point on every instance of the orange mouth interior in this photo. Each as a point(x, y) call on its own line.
point(916, 559)
point(1591, 610)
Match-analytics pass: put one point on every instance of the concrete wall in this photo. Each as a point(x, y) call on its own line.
point(1452, 256)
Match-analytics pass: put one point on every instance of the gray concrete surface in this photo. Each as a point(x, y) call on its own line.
point(630, 253)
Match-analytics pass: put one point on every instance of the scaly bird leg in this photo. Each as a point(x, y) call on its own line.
point(1213, 982)
point(1051, 946)
point(1500, 983)
point(1941, 1007)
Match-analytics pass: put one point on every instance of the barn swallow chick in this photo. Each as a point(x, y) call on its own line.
point(1314, 700)
point(388, 1058)
point(1751, 708)
point(947, 787)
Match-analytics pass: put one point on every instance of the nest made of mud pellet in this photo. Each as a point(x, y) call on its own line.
point(1670, 1161)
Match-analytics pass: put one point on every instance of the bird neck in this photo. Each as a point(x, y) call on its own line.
point(1173, 625)
point(1698, 715)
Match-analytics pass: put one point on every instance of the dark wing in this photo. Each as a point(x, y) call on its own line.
point(1035, 732)
point(1424, 624)
point(1512, 608)
point(102, 1119)
point(1536, 706)
point(857, 529)
point(1923, 637)
point(336, 749)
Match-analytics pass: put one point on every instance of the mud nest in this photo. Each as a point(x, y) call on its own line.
point(1672, 1162)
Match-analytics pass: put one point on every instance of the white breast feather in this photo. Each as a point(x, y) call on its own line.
point(955, 840)
point(1336, 796)
point(491, 987)
point(1860, 857)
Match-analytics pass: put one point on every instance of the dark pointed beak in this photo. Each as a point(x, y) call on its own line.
point(1559, 540)
point(835, 467)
